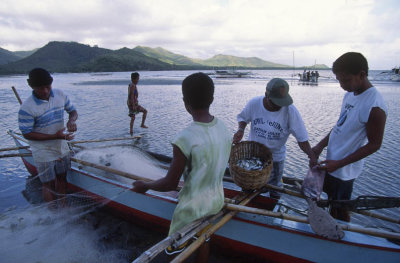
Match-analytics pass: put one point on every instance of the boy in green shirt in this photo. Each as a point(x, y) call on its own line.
point(200, 153)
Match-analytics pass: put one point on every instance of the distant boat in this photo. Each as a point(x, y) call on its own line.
point(307, 76)
point(231, 74)
point(395, 76)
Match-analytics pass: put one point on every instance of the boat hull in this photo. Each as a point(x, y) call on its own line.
point(256, 237)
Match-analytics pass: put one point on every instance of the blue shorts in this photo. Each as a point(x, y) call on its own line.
point(337, 189)
point(276, 178)
point(48, 170)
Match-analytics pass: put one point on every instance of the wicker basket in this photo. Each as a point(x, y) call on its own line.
point(250, 180)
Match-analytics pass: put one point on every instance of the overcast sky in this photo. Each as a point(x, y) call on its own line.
point(307, 30)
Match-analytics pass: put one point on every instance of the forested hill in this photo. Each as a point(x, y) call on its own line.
point(75, 57)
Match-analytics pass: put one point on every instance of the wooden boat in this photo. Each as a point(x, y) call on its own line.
point(262, 238)
point(230, 74)
point(395, 76)
point(310, 78)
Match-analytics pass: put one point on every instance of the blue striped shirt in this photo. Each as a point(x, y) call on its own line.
point(42, 116)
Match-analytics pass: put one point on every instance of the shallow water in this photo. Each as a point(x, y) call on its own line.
point(101, 103)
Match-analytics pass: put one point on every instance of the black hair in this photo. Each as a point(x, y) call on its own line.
point(134, 75)
point(351, 63)
point(39, 77)
point(198, 90)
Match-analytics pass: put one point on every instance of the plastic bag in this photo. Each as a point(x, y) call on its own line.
point(313, 183)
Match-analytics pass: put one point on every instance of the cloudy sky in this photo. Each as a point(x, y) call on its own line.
point(281, 31)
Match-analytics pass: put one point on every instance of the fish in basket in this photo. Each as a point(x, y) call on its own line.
point(250, 164)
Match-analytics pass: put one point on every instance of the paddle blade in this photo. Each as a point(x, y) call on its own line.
point(322, 222)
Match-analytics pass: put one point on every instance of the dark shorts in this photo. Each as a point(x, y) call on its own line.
point(135, 110)
point(337, 189)
point(49, 170)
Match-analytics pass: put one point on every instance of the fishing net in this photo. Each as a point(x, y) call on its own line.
point(131, 160)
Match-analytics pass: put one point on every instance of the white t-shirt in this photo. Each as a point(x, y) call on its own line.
point(349, 133)
point(206, 147)
point(272, 128)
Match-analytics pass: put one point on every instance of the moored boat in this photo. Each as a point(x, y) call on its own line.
point(261, 237)
point(395, 76)
point(309, 77)
point(230, 74)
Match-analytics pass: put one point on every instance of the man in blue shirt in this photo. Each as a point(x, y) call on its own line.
point(41, 121)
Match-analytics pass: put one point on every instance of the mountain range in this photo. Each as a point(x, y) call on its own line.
point(65, 57)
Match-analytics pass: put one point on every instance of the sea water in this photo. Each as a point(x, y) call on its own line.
point(32, 233)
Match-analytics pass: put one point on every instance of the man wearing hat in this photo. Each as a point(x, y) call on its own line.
point(273, 118)
point(41, 121)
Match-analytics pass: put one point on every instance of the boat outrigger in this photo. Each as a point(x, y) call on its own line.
point(261, 234)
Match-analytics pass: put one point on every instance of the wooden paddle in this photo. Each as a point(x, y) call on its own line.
point(322, 222)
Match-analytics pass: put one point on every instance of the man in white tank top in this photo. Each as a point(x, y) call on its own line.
point(358, 132)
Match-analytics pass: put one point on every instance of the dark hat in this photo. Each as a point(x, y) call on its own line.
point(39, 77)
point(278, 92)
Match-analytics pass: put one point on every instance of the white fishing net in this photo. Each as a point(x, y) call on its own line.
point(131, 160)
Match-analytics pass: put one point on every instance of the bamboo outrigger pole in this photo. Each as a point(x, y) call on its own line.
point(15, 155)
point(106, 140)
point(362, 212)
point(111, 170)
point(302, 219)
point(13, 148)
point(16, 95)
point(182, 236)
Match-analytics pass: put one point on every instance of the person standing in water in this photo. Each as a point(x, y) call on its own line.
point(133, 104)
point(41, 121)
point(357, 134)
